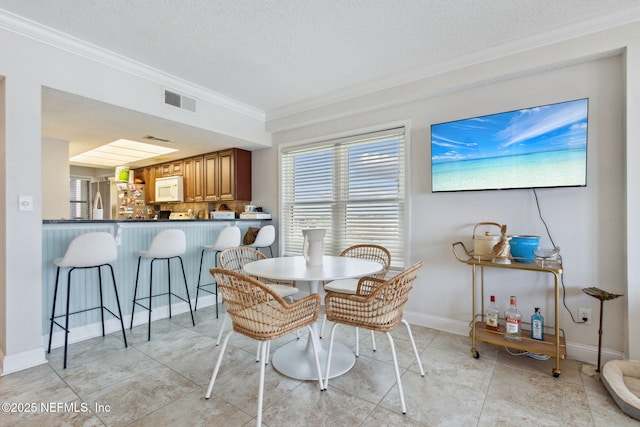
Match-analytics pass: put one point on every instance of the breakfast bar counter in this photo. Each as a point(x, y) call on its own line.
point(131, 237)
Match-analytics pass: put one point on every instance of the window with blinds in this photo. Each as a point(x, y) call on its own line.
point(79, 198)
point(353, 187)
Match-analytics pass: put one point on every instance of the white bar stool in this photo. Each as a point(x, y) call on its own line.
point(228, 238)
point(166, 245)
point(89, 250)
point(264, 239)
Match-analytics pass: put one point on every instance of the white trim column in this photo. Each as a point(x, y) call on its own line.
point(20, 230)
point(633, 199)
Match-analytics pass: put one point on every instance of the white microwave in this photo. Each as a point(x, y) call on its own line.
point(169, 189)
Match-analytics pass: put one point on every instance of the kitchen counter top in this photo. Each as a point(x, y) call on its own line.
point(129, 221)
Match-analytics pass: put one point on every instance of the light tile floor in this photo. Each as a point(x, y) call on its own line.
point(163, 382)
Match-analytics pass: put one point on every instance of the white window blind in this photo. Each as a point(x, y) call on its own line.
point(79, 198)
point(354, 187)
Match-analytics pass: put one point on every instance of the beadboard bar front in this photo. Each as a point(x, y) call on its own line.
point(131, 237)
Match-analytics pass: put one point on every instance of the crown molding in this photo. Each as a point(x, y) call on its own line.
point(40, 33)
point(565, 32)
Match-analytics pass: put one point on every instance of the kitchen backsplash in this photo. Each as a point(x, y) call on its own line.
point(202, 209)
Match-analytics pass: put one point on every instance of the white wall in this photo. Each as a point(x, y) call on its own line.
point(589, 224)
point(55, 179)
point(3, 235)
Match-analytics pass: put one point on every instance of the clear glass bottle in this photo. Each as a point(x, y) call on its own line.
point(537, 325)
point(492, 315)
point(512, 318)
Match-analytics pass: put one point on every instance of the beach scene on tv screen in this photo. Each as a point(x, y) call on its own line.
point(543, 146)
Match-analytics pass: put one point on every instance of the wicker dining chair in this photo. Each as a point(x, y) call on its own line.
point(258, 312)
point(377, 305)
point(235, 258)
point(370, 252)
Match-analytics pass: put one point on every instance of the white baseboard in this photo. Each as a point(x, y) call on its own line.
point(576, 351)
point(141, 317)
point(23, 360)
point(589, 353)
point(444, 324)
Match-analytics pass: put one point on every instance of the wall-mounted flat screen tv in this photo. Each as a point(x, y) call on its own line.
point(544, 146)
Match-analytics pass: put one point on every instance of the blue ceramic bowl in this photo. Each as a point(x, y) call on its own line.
point(522, 247)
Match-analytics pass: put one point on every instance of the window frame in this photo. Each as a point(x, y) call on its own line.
point(289, 249)
point(73, 203)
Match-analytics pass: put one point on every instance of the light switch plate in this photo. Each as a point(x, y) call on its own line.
point(25, 203)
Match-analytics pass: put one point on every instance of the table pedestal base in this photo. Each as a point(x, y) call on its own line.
point(296, 361)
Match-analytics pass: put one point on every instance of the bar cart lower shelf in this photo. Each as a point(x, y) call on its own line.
point(546, 347)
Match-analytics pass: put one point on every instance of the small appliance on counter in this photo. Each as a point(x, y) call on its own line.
point(255, 215)
point(223, 212)
point(222, 215)
point(254, 212)
point(180, 215)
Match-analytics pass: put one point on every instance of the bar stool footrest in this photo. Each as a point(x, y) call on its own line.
point(158, 295)
point(203, 289)
point(82, 311)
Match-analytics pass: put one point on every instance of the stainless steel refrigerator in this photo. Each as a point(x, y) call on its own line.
point(121, 200)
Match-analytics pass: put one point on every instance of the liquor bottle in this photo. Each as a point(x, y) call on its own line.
point(512, 319)
point(492, 315)
point(537, 325)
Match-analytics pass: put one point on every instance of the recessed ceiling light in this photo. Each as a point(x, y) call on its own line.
point(120, 153)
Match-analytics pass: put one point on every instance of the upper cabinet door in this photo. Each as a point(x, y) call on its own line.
point(188, 181)
point(227, 183)
point(211, 185)
point(149, 176)
point(192, 173)
point(198, 178)
point(235, 174)
point(173, 168)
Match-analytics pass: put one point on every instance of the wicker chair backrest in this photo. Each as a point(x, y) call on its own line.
point(376, 253)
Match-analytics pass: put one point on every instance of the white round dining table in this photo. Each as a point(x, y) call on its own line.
point(295, 359)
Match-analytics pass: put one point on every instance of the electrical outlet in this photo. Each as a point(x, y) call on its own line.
point(584, 315)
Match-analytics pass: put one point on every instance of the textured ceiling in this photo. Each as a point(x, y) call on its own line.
point(273, 54)
point(284, 56)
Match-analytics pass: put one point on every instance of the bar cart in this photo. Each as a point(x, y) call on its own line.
point(553, 345)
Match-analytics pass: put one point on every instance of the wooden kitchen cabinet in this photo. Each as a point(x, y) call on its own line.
point(198, 176)
point(193, 178)
point(188, 180)
point(227, 175)
point(220, 176)
point(211, 177)
point(173, 168)
point(149, 177)
point(235, 174)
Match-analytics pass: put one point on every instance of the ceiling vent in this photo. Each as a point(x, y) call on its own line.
point(155, 138)
point(176, 99)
